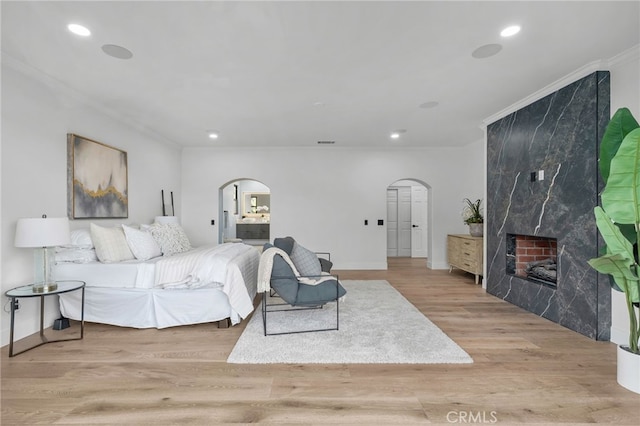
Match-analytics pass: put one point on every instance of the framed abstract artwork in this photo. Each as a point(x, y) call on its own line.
point(97, 180)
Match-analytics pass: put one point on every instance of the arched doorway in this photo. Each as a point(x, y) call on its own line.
point(245, 212)
point(408, 219)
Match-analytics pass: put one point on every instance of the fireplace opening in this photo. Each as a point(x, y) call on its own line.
point(533, 258)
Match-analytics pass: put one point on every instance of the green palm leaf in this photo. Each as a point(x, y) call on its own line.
point(619, 260)
point(621, 196)
point(621, 124)
point(613, 237)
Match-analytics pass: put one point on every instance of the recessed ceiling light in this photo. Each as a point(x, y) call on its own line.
point(78, 29)
point(396, 133)
point(427, 105)
point(213, 135)
point(486, 51)
point(117, 51)
point(509, 31)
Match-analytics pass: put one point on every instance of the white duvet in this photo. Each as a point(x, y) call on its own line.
point(207, 267)
point(202, 267)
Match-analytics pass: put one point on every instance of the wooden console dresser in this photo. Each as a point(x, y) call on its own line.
point(465, 252)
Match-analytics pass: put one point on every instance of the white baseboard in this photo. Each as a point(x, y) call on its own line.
point(360, 265)
point(437, 265)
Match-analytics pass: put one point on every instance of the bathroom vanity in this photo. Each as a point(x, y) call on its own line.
point(252, 231)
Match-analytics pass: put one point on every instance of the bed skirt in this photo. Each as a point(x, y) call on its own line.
point(148, 308)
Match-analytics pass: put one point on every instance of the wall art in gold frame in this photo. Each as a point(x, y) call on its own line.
point(97, 180)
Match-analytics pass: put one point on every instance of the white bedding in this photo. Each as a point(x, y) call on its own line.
point(128, 274)
point(187, 288)
point(200, 267)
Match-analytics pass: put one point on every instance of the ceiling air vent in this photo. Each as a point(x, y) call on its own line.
point(326, 142)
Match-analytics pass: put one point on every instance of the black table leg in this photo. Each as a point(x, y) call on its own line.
point(13, 317)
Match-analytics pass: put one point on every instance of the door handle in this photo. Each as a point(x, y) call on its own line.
point(414, 226)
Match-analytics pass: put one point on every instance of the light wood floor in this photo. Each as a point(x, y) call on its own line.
point(526, 370)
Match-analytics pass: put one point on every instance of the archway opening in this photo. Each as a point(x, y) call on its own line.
point(408, 218)
point(245, 212)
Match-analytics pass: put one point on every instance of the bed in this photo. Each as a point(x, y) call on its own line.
point(200, 285)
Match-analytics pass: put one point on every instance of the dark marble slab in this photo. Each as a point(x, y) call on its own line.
point(560, 135)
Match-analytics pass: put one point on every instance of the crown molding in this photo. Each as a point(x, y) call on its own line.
point(599, 65)
point(629, 55)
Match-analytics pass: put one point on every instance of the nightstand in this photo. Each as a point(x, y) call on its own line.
point(27, 291)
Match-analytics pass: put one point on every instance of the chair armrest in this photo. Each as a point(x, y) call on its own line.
point(326, 255)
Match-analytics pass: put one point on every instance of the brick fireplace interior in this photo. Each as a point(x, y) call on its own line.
point(532, 258)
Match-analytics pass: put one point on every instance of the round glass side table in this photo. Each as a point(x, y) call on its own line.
point(34, 290)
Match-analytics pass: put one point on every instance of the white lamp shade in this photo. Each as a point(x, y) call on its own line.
point(42, 232)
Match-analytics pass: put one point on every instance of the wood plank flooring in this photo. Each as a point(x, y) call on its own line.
point(526, 370)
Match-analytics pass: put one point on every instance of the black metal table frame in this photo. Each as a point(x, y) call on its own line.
point(43, 338)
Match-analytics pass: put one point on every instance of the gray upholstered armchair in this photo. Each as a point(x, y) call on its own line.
point(295, 282)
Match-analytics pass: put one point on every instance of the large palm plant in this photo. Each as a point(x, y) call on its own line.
point(618, 219)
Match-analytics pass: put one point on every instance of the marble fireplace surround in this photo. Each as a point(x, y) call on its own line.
point(558, 134)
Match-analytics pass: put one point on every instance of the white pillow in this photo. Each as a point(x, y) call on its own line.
point(111, 245)
point(81, 238)
point(306, 261)
point(170, 237)
point(142, 244)
point(75, 255)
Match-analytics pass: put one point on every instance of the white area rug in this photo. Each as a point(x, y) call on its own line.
point(377, 326)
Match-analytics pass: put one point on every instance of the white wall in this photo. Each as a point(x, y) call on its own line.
point(322, 195)
point(625, 92)
point(37, 114)
point(228, 204)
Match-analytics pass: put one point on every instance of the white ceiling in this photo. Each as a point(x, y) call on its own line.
point(292, 73)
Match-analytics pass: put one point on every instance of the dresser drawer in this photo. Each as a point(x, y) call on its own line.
point(465, 252)
point(468, 265)
point(468, 255)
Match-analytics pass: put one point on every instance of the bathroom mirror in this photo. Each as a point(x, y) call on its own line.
point(256, 204)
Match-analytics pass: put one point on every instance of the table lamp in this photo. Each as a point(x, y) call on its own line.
point(43, 233)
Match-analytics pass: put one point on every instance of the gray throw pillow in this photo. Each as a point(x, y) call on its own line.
point(285, 244)
point(305, 260)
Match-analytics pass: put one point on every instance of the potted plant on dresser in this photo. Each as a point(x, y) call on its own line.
point(472, 216)
point(618, 221)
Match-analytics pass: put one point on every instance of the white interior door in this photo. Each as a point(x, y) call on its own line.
point(404, 221)
point(392, 222)
point(419, 213)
